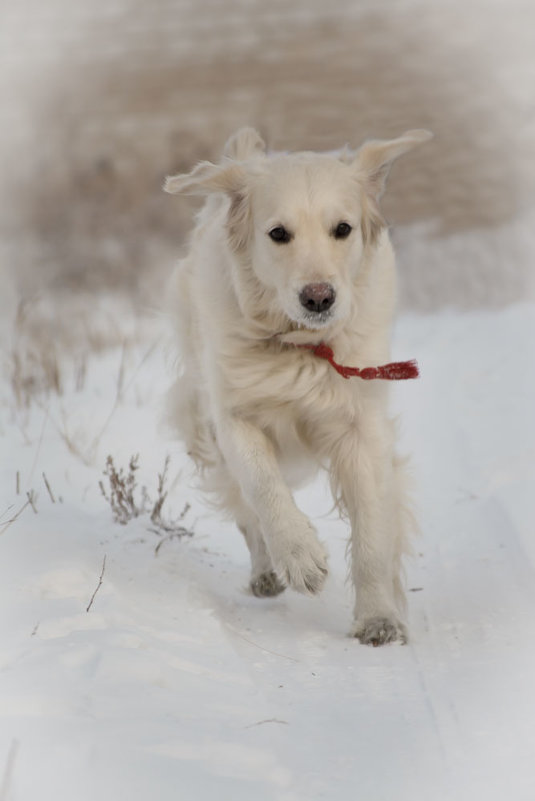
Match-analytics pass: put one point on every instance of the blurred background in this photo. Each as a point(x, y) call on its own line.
point(101, 100)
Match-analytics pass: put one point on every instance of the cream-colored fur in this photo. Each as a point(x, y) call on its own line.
point(258, 413)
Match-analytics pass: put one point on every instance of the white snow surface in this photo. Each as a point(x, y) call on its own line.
point(178, 684)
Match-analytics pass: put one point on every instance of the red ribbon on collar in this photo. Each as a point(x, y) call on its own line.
point(395, 371)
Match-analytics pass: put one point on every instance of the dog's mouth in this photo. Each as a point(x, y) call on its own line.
point(302, 320)
point(315, 321)
point(308, 328)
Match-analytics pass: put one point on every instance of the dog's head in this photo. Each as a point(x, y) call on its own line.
point(302, 222)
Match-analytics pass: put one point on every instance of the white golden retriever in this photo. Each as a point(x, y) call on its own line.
point(289, 251)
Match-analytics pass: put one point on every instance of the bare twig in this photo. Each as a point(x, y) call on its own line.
point(68, 439)
point(9, 508)
point(99, 585)
point(121, 374)
point(47, 485)
point(162, 494)
point(22, 426)
point(32, 497)
point(173, 534)
point(39, 444)
point(268, 720)
point(17, 483)
point(12, 520)
point(8, 770)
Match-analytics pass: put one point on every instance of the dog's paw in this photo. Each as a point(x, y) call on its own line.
point(304, 566)
point(379, 631)
point(267, 585)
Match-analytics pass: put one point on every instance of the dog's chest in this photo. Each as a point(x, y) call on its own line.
point(287, 387)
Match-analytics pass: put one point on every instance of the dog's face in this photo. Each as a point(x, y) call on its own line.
point(306, 239)
point(301, 222)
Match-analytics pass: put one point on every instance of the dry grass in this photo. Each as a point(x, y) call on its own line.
point(34, 360)
point(128, 501)
point(87, 210)
point(55, 334)
point(120, 494)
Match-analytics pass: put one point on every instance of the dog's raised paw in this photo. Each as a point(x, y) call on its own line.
point(379, 631)
point(267, 585)
point(306, 569)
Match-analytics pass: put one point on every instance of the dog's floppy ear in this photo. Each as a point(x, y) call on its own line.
point(206, 178)
point(230, 178)
point(244, 144)
point(374, 159)
point(225, 177)
point(372, 164)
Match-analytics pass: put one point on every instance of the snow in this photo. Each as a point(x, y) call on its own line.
point(177, 683)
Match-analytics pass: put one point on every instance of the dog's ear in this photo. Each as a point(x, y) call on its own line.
point(206, 178)
point(372, 164)
point(374, 159)
point(244, 144)
point(230, 178)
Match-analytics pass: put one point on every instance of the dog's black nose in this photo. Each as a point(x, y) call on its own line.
point(317, 297)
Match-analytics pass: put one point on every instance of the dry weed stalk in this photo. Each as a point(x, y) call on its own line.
point(122, 486)
point(32, 498)
point(127, 502)
point(49, 490)
point(99, 585)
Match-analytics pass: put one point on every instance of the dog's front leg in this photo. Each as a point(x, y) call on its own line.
point(298, 557)
point(364, 477)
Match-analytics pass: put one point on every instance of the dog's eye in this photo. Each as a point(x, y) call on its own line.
point(280, 234)
point(342, 230)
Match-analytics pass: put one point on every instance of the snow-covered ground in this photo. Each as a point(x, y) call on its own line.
point(178, 684)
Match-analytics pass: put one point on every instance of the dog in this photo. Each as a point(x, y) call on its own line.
point(291, 253)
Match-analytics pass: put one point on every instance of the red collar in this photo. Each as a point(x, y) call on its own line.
point(395, 371)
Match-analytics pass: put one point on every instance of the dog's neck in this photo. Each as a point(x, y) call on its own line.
point(308, 336)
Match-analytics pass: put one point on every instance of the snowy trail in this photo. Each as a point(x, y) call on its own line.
point(178, 684)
